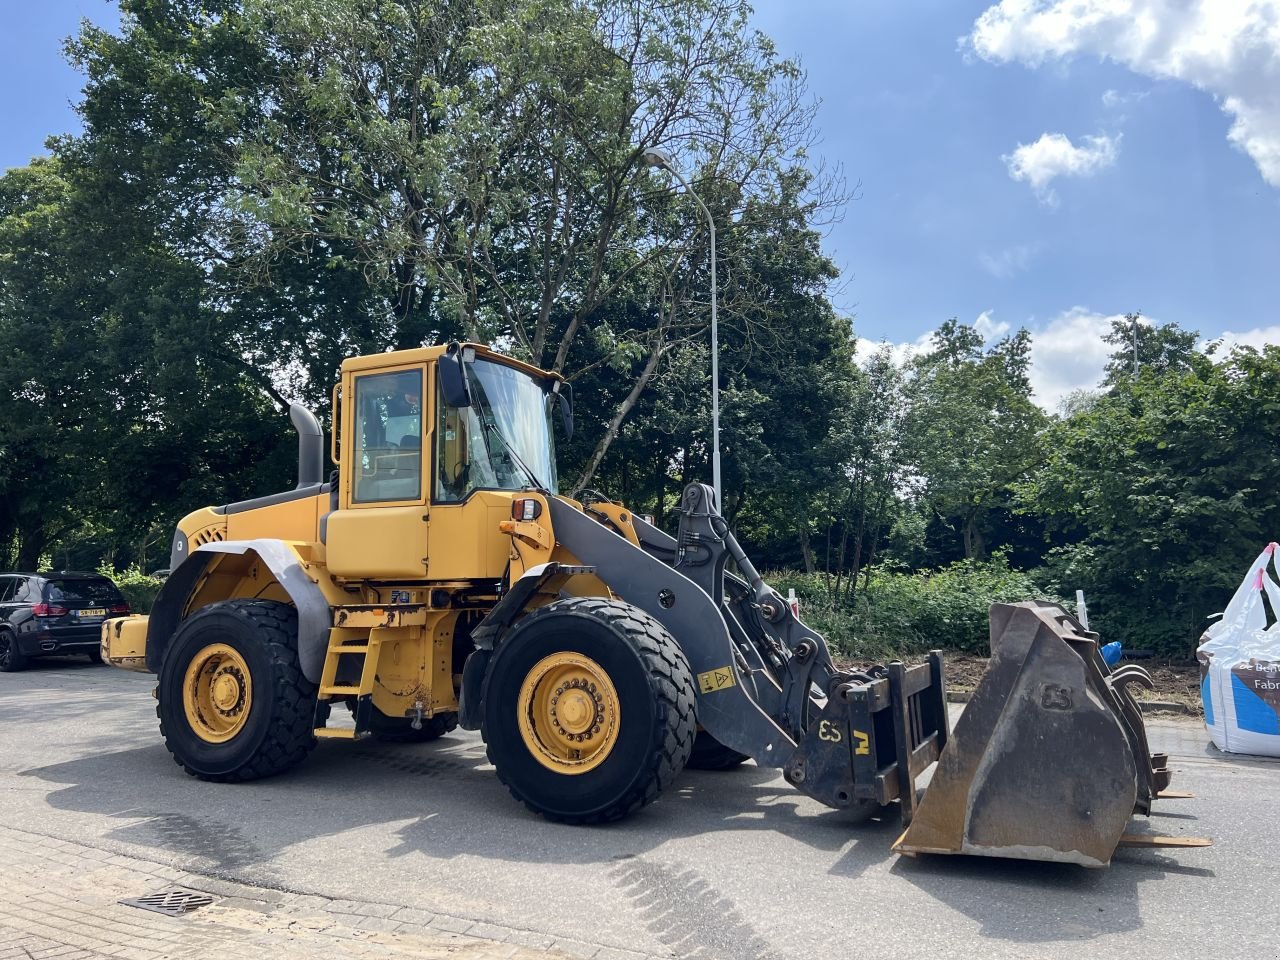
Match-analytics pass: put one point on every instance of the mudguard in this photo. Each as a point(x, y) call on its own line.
point(314, 616)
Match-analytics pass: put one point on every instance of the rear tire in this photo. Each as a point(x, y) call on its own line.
point(710, 754)
point(11, 658)
point(250, 647)
point(630, 749)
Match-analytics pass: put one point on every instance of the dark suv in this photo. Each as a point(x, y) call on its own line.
point(52, 613)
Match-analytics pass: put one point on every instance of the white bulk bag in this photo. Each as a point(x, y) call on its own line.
point(1240, 667)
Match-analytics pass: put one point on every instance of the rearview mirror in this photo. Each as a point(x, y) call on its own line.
point(453, 378)
point(565, 396)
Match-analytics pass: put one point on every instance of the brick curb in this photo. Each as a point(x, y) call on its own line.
point(61, 904)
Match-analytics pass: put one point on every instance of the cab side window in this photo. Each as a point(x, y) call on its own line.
point(387, 461)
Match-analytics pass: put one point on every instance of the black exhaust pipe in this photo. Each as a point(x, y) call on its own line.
point(310, 446)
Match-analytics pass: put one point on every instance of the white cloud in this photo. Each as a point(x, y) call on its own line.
point(900, 353)
point(1258, 338)
point(1114, 99)
point(1054, 155)
point(1009, 262)
point(989, 328)
point(1068, 354)
point(1229, 48)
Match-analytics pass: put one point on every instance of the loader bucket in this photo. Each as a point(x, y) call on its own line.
point(1049, 760)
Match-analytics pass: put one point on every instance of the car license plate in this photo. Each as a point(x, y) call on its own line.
point(87, 614)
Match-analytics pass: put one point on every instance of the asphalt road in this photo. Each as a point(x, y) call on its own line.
point(727, 865)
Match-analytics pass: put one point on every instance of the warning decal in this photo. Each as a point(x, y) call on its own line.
point(717, 679)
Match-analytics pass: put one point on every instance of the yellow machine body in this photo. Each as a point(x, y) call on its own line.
point(432, 552)
point(438, 579)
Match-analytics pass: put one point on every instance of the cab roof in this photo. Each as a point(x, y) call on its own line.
point(395, 358)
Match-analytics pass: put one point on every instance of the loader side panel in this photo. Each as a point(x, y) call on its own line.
point(725, 708)
point(292, 581)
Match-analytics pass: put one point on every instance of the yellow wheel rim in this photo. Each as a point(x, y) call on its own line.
point(217, 693)
point(568, 712)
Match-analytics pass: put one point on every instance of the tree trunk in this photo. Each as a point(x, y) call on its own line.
point(806, 548)
point(32, 541)
point(660, 482)
point(615, 423)
point(861, 501)
point(882, 504)
point(975, 545)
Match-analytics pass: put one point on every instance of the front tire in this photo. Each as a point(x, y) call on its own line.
point(232, 701)
point(94, 655)
point(589, 710)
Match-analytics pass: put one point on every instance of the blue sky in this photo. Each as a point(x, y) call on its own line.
point(37, 83)
point(1180, 224)
point(1152, 207)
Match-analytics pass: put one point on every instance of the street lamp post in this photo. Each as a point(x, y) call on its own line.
point(657, 157)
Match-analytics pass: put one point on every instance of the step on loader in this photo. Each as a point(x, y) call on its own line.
point(437, 579)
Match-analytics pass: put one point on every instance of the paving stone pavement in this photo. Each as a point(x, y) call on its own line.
point(60, 903)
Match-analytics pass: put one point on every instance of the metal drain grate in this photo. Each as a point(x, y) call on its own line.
point(172, 903)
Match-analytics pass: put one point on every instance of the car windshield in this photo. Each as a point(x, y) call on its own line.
point(101, 592)
point(503, 441)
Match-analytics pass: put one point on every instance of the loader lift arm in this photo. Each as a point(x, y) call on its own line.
point(767, 684)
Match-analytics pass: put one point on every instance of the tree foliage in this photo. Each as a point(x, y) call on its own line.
point(973, 429)
point(265, 187)
point(1164, 490)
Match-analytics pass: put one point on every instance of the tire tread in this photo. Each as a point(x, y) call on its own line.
point(290, 733)
point(671, 682)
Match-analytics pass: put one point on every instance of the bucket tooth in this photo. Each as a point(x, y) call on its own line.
point(1049, 760)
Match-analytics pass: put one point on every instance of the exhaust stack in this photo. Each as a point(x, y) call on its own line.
point(310, 446)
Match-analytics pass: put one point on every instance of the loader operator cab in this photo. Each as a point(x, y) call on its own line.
point(431, 445)
point(496, 433)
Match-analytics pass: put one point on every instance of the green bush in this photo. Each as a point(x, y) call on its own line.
point(947, 608)
point(910, 613)
point(138, 588)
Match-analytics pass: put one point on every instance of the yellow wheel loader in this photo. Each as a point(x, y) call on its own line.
point(438, 579)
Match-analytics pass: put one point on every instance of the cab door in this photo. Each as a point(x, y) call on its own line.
point(379, 530)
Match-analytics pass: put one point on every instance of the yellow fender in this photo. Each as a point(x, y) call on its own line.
point(314, 614)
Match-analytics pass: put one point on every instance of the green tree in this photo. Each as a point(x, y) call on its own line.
point(874, 427)
point(786, 371)
point(53, 412)
point(284, 184)
point(972, 428)
point(1162, 349)
point(1165, 486)
point(480, 163)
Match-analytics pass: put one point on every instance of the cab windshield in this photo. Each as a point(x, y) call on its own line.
point(503, 441)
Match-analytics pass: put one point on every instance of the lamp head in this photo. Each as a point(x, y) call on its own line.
point(657, 157)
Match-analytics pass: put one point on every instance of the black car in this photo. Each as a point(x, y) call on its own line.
point(53, 613)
